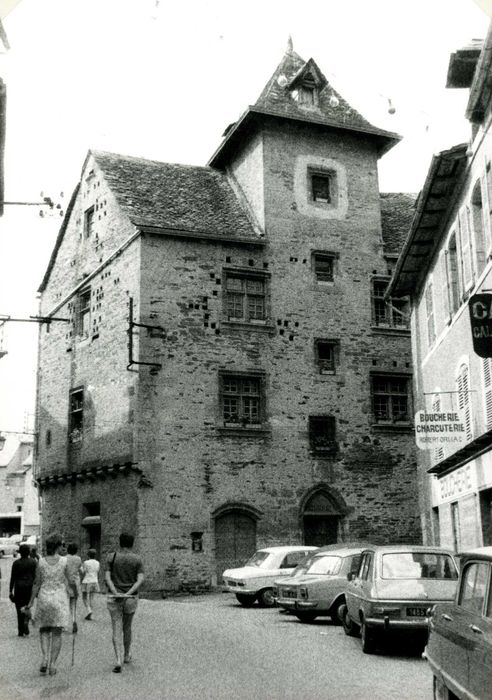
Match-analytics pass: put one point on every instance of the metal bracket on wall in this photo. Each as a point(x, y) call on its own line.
point(156, 366)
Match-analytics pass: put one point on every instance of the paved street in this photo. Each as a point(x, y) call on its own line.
point(209, 647)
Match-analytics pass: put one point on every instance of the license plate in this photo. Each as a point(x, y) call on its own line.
point(231, 583)
point(416, 612)
point(289, 594)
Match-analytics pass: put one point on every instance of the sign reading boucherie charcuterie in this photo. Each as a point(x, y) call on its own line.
point(480, 306)
point(439, 429)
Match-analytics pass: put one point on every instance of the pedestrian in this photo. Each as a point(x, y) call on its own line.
point(90, 581)
point(34, 554)
point(22, 578)
point(74, 564)
point(52, 614)
point(124, 576)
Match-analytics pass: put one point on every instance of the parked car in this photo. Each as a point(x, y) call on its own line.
point(317, 586)
point(255, 579)
point(9, 545)
point(459, 649)
point(394, 588)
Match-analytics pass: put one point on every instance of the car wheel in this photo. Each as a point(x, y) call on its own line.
point(305, 616)
point(336, 611)
point(349, 627)
point(368, 639)
point(439, 690)
point(245, 600)
point(266, 599)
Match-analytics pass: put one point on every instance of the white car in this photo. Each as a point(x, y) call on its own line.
point(254, 580)
point(9, 545)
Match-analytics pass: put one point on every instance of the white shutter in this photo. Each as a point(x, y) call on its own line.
point(487, 203)
point(487, 385)
point(465, 250)
point(464, 399)
point(429, 310)
point(446, 291)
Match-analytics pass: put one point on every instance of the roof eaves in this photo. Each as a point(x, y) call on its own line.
point(397, 286)
point(202, 235)
point(388, 138)
point(481, 80)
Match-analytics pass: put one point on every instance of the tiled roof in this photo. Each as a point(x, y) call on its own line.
point(397, 210)
point(186, 198)
point(277, 96)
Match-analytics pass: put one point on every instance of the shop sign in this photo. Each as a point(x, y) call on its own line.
point(480, 307)
point(439, 429)
point(456, 484)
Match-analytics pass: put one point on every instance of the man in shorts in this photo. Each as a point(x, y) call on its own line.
point(124, 576)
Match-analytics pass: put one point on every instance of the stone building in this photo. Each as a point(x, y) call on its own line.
point(19, 508)
point(230, 376)
point(446, 264)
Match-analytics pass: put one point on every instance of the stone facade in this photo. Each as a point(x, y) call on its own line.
point(159, 450)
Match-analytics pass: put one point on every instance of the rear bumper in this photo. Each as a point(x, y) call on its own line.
point(386, 623)
point(243, 590)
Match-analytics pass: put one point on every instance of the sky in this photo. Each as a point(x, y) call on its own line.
point(162, 80)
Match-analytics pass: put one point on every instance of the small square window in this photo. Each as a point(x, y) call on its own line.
point(326, 356)
point(324, 266)
point(321, 187)
point(388, 313)
point(322, 434)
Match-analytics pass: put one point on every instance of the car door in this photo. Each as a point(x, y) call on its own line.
point(480, 651)
point(455, 624)
point(357, 588)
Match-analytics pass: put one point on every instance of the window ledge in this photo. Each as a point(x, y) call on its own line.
point(390, 330)
point(248, 431)
point(265, 326)
point(392, 427)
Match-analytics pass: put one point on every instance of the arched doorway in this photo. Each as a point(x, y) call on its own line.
point(321, 515)
point(235, 538)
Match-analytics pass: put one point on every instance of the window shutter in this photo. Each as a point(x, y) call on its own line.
point(446, 287)
point(487, 203)
point(464, 399)
point(436, 408)
point(487, 384)
point(466, 261)
point(429, 310)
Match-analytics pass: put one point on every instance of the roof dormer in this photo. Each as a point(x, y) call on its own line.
point(306, 85)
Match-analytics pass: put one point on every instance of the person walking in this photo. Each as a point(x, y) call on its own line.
point(124, 575)
point(90, 581)
point(52, 614)
point(22, 578)
point(74, 564)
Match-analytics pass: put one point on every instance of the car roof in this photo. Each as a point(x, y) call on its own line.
point(341, 550)
point(477, 553)
point(387, 548)
point(287, 548)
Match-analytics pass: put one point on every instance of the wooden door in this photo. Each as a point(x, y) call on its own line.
point(320, 530)
point(235, 540)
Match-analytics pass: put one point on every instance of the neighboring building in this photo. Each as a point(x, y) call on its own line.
point(4, 45)
point(19, 509)
point(447, 260)
point(231, 376)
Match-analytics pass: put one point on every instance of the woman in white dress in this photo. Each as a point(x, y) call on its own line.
point(52, 608)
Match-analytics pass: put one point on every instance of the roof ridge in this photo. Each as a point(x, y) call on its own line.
point(140, 159)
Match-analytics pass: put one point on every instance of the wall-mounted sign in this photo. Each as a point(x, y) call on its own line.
point(458, 483)
point(480, 306)
point(439, 429)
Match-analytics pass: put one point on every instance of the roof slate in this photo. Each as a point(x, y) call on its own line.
point(276, 97)
point(187, 198)
point(397, 210)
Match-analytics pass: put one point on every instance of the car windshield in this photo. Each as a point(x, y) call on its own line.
point(418, 565)
point(258, 559)
point(327, 565)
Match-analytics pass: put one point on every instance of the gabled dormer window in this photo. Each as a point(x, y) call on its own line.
point(306, 92)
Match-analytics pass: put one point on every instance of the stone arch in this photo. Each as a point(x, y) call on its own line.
point(234, 535)
point(321, 513)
